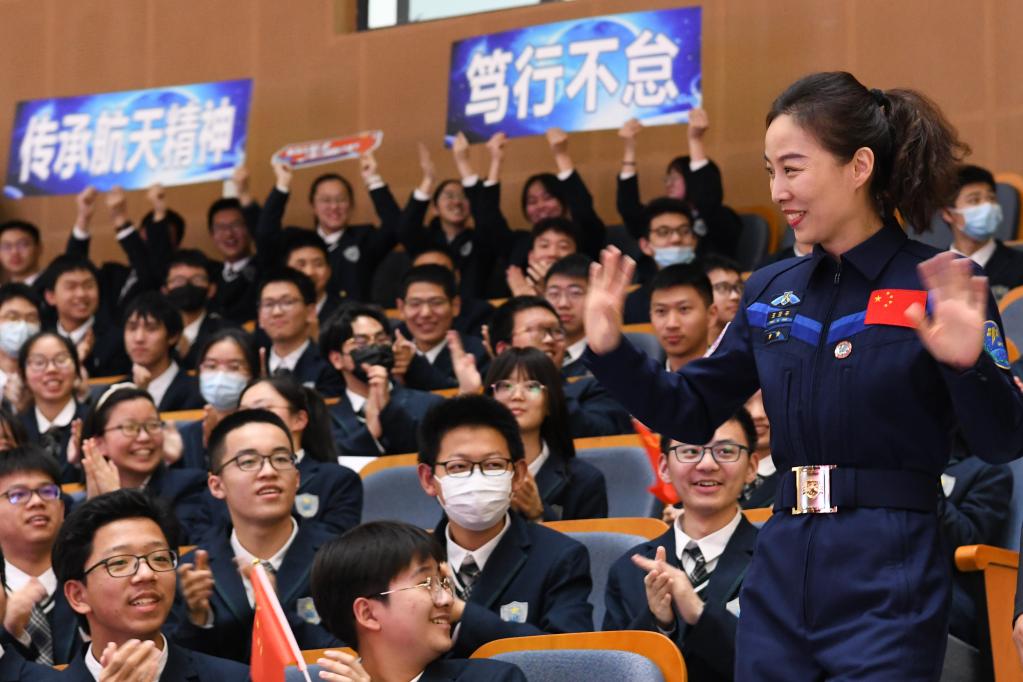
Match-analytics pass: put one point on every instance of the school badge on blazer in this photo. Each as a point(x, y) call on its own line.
point(307, 505)
point(515, 612)
point(351, 254)
point(307, 610)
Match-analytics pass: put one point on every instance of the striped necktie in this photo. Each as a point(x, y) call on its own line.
point(38, 628)
point(468, 574)
point(698, 575)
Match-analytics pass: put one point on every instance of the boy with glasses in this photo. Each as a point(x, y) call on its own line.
point(686, 583)
point(252, 469)
point(565, 288)
point(668, 237)
point(38, 623)
point(115, 557)
point(726, 281)
point(381, 588)
point(287, 313)
point(512, 578)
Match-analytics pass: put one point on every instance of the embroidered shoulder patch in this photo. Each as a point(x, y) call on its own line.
point(994, 344)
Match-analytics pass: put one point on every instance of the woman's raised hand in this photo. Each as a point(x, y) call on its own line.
point(605, 300)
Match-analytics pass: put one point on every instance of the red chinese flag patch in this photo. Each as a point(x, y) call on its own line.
point(888, 306)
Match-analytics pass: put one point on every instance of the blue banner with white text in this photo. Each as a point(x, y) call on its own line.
point(174, 135)
point(593, 73)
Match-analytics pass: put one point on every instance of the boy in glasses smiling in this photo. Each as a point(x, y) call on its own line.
point(381, 588)
point(38, 624)
point(686, 583)
point(512, 578)
point(116, 560)
point(252, 469)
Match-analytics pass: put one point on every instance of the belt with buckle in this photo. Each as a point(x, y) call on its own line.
point(826, 488)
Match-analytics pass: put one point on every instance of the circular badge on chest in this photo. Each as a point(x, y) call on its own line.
point(843, 349)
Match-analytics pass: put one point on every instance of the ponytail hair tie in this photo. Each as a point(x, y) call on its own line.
point(881, 98)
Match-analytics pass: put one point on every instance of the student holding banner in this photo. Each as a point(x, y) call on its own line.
point(850, 579)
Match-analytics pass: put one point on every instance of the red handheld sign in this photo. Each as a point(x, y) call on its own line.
point(316, 152)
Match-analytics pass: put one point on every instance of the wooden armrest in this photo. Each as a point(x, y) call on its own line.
point(978, 557)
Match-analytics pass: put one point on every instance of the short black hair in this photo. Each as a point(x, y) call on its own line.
point(26, 348)
point(241, 338)
point(236, 420)
point(502, 323)
point(295, 238)
point(430, 274)
point(191, 257)
point(969, 174)
point(551, 185)
point(715, 261)
point(152, 305)
point(74, 542)
point(749, 430)
point(22, 225)
point(467, 410)
point(305, 286)
point(13, 290)
point(660, 206)
point(173, 220)
point(65, 263)
point(436, 248)
point(684, 275)
point(223, 204)
point(362, 563)
point(574, 266)
point(29, 457)
point(338, 328)
point(96, 420)
point(558, 225)
point(327, 177)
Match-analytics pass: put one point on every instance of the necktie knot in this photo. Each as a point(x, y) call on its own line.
point(698, 574)
point(468, 574)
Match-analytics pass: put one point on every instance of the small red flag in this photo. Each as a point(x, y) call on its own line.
point(888, 306)
point(664, 492)
point(273, 644)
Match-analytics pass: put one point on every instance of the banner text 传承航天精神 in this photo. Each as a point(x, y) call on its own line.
point(173, 135)
point(586, 74)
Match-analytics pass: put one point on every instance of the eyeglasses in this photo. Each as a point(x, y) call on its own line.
point(572, 293)
point(506, 389)
point(250, 460)
point(437, 303)
point(285, 304)
point(363, 340)
point(20, 245)
point(133, 429)
point(721, 452)
point(729, 288)
point(666, 232)
point(12, 316)
point(227, 227)
point(39, 363)
point(538, 334)
point(127, 565)
point(436, 587)
point(460, 468)
point(21, 494)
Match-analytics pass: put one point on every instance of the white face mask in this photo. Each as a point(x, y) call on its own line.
point(476, 502)
point(980, 222)
point(672, 255)
point(13, 335)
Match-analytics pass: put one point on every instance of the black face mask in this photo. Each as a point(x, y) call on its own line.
point(376, 354)
point(188, 297)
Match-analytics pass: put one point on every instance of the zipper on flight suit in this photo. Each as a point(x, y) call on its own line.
point(822, 342)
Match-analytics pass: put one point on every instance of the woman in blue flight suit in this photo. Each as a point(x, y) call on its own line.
point(861, 382)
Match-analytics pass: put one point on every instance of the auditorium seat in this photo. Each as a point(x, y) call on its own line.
point(1007, 190)
point(607, 540)
point(999, 567)
point(591, 656)
point(391, 490)
point(754, 240)
point(647, 343)
point(628, 474)
point(1011, 310)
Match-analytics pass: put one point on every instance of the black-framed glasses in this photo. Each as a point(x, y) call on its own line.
point(436, 587)
point(132, 429)
point(20, 494)
point(461, 468)
point(250, 460)
point(729, 288)
point(127, 565)
point(538, 334)
point(721, 452)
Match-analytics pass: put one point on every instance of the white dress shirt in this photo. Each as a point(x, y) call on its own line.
point(289, 361)
point(76, 335)
point(191, 331)
point(158, 385)
point(457, 554)
point(712, 546)
point(431, 354)
point(96, 669)
point(574, 352)
point(982, 255)
point(276, 560)
point(541, 459)
point(62, 419)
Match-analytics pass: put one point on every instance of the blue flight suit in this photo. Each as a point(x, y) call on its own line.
point(537, 582)
point(863, 593)
point(709, 645)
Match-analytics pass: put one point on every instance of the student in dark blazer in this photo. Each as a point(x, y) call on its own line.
point(374, 415)
point(123, 434)
point(530, 321)
point(252, 468)
point(696, 569)
point(559, 486)
point(305, 251)
point(513, 578)
point(189, 288)
point(152, 328)
point(973, 508)
point(72, 290)
point(473, 312)
point(287, 313)
point(328, 493)
point(242, 268)
point(428, 304)
point(1017, 611)
point(355, 250)
point(352, 575)
point(13, 666)
point(115, 549)
point(49, 367)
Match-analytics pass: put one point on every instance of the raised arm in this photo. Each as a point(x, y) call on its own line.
point(78, 240)
point(630, 208)
point(411, 233)
point(580, 201)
